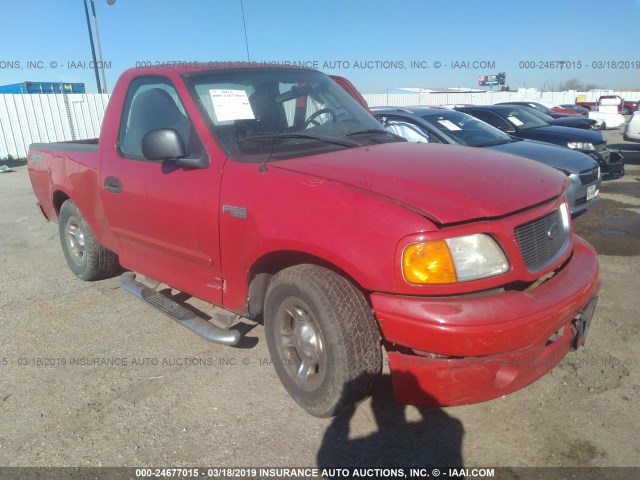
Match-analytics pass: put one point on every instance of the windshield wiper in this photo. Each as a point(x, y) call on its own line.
point(374, 130)
point(494, 143)
point(276, 136)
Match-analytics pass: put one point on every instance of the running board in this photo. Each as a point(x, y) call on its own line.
point(180, 314)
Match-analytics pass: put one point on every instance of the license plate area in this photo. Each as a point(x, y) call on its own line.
point(582, 322)
point(592, 192)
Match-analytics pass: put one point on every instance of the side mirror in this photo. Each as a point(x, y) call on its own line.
point(167, 144)
point(163, 144)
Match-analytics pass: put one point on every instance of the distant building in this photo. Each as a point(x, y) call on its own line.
point(43, 87)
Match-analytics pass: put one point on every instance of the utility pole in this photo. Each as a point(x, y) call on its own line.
point(93, 50)
point(95, 23)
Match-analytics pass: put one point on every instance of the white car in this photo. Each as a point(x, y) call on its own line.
point(610, 119)
point(632, 129)
point(605, 120)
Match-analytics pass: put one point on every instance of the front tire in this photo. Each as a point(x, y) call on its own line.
point(322, 338)
point(87, 259)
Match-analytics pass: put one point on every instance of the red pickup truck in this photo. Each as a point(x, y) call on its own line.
point(275, 196)
point(625, 107)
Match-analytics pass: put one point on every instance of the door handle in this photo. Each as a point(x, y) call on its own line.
point(113, 184)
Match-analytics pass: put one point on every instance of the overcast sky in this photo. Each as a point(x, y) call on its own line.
point(374, 43)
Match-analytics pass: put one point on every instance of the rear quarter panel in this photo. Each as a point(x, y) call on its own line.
point(57, 172)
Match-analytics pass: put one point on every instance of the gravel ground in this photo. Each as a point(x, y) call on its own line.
point(173, 399)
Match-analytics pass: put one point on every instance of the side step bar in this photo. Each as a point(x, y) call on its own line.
point(180, 314)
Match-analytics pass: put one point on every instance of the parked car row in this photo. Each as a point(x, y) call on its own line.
point(554, 118)
point(435, 125)
point(521, 123)
point(534, 129)
point(567, 115)
point(527, 129)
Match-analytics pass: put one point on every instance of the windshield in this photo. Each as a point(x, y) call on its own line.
point(522, 118)
point(540, 107)
point(466, 130)
point(281, 113)
point(541, 115)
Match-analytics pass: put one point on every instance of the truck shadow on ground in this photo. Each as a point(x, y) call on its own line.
point(434, 441)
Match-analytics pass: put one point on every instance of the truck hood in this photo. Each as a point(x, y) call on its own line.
point(446, 183)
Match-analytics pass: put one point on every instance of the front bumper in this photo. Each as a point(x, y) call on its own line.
point(611, 163)
point(467, 349)
point(630, 138)
point(577, 194)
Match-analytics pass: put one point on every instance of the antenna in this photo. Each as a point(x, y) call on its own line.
point(246, 42)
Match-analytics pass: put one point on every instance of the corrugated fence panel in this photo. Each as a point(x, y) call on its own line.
point(26, 119)
point(17, 121)
point(6, 135)
point(42, 127)
point(87, 113)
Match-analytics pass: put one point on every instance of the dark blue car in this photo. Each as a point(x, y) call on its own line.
point(519, 122)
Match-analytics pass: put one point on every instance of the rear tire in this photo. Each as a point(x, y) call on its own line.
point(87, 259)
point(625, 111)
point(322, 338)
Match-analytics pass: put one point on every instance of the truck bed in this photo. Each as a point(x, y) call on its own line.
point(64, 170)
point(88, 145)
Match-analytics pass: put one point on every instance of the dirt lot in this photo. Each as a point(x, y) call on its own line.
point(174, 399)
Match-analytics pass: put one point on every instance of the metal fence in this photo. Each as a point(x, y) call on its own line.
point(32, 118)
point(26, 119)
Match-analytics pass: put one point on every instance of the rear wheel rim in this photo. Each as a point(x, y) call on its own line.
point(300, 344)
point(75, 241)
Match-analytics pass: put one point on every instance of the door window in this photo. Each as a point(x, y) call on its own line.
point(152, 103)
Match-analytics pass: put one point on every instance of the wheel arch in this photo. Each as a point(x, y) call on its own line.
point(57, 199)
point(266, 266)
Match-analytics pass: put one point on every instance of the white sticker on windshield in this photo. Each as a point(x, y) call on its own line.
point(231, 105)
point(449, 125)
point(516, 121)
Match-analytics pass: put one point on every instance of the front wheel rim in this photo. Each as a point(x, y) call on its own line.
point(300, 344)
point(75, 241)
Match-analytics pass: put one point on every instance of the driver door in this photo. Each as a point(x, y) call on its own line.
point(165, 217)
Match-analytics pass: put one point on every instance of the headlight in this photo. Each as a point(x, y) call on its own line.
point(457, 259)
point(581, 145)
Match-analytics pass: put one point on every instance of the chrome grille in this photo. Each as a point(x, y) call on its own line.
point(541, 240)
point(588, 176)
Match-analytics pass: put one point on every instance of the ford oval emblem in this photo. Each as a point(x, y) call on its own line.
point(553, 231)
